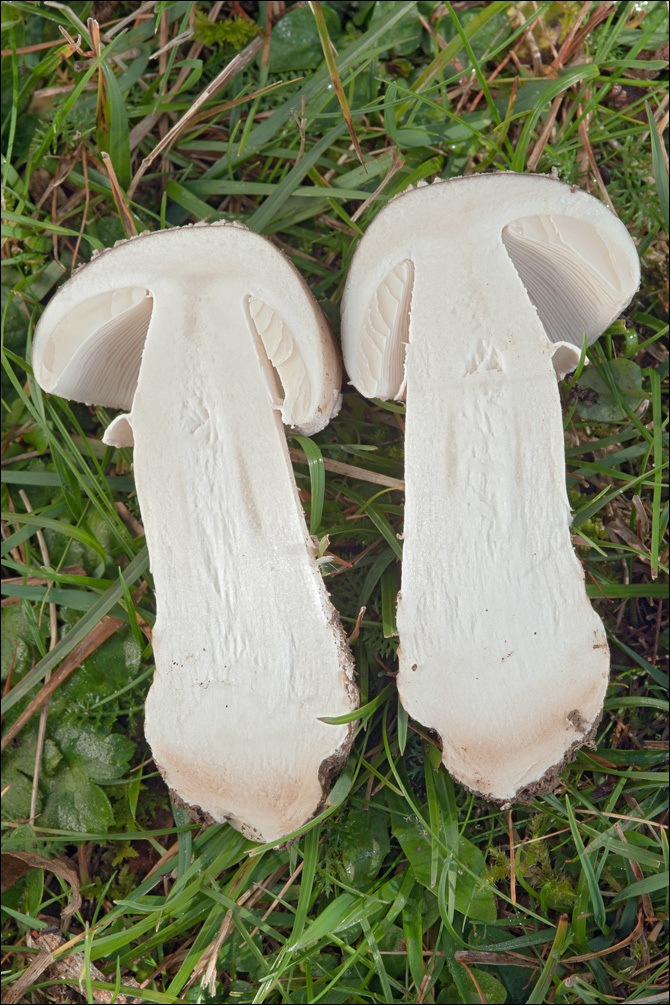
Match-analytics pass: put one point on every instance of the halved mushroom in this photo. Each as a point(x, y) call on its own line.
point(209, 338)
point(485, 287)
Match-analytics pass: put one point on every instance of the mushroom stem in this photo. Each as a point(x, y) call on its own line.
point(244, 622)
point(492, 615)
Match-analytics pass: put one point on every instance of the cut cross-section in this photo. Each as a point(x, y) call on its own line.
point(500, 650)
point(250, 656)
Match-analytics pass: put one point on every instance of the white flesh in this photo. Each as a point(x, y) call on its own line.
point(248, 649)
point(500, 650)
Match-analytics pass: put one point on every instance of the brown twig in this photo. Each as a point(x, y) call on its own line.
point(65, 165)
point(124, 212)
point(592, 162)
point(10, 672)
point(69, 570)
point(576, 36)
point(163, 121)
point(501, 66)
point(19, 552)
point(479, 957)
point(632, 937)
point(131, 522)
point(289, 882)
point(351, 471)
point(206, 965)
point(170, 853)
point(209, 113)
point(396, 164)
point(481, 994)
point(133, 16)
point(138, 132)
point(265, 58)
point(84, 215)
point(31, 48)
point(14, 552)
point(69, 971)
point(357, 627)
point(542, 140)
point(334, 74)
point(301, 122)
point(53, 622)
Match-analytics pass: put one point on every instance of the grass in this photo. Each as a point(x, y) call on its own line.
point(406, 887)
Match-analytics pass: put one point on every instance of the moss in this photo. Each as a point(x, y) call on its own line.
point(235, 32)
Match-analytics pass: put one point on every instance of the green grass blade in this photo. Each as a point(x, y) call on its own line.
point(541, 989)
point(262, 220)
point(660, 162)
point(597, 904)
point(317, 475)
point(310, 858)
point(390, 583)
point(648, 885)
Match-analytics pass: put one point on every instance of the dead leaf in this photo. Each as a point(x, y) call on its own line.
point(16, 864)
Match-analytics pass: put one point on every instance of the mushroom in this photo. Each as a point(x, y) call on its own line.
point(207, 337)
point(467, 299)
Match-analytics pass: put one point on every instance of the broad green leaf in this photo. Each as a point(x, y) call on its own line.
point(473, 895)
point(599, 399)
point(295, 45)
point(105, 672)
point(238, 955)
point(22, 754)
point(365, 841)
point(58, 527)
point(404, 38)
point(18, 789)
point(18, 643)
point(318, 83)
point(100, 755)
point(491, 988)
point(464, 989)
point(76, 804)
point(493, 991)
point(392, 945)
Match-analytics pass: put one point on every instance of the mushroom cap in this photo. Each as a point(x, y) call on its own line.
point(572, 255)
point(89, 341)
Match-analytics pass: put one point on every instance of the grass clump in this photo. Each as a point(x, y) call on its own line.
point(407, 888)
